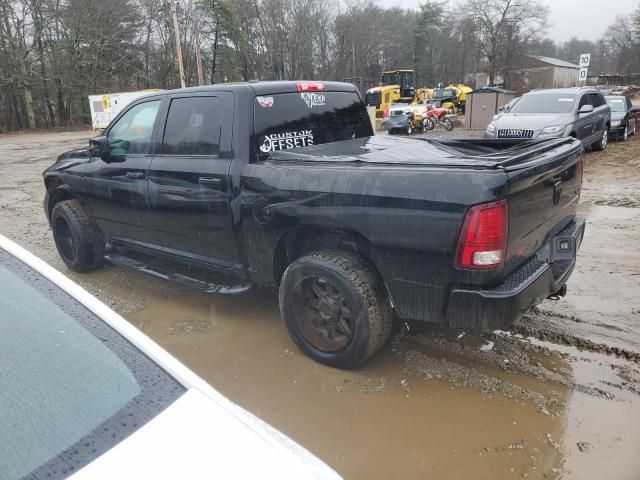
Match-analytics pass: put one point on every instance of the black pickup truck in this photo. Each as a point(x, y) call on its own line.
point(284, 185)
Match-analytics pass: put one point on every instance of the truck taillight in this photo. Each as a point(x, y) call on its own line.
point(483, 240)
point(310, 87)
point(385, 113)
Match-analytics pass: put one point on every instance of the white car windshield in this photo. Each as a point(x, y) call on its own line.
point(545, 103)
point(71, 387)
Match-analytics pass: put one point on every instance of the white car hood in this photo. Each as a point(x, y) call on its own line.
point(197, 438)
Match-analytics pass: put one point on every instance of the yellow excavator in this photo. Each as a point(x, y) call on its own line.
point(397, 86)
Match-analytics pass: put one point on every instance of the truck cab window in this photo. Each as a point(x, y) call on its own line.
point(193, 127)
point(289, 122)
point(131, 134)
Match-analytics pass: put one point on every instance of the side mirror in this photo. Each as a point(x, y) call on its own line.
point(586, 109)
point(99, 147)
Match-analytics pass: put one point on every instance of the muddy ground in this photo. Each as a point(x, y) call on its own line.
point(558, 396)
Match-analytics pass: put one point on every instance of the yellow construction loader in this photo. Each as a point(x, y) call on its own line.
point(453, 97)
point(397, 86)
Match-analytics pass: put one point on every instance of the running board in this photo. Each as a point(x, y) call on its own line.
point(206, 287)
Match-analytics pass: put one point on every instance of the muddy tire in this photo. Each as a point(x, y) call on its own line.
point(601, 145)
point(335, 308)
point(79, 243)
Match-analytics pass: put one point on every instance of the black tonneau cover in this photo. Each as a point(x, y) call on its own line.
point(409, 151)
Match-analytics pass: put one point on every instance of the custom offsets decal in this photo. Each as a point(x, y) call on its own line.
point(286, 140)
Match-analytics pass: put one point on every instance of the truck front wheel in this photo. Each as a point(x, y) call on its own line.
point(77, 239)
point(335, 308)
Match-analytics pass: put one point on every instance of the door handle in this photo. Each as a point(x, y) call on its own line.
point(209, 181)
point(135, 175)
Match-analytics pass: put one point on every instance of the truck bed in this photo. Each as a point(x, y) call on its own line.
point(407, 199)
point(477, 153)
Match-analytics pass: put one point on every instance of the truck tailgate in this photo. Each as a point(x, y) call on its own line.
point(543, 194)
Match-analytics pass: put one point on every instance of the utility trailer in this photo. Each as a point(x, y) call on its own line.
point(106, 106)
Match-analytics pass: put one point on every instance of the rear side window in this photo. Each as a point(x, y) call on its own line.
point(293, 120)
point(193, 127)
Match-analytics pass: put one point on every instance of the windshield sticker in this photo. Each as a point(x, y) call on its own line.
point(314, 99)
point(265, 102)
point(284, 141)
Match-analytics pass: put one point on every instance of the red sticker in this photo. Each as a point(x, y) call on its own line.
point(265, 102)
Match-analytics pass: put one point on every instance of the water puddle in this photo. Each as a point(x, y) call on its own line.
point(602, 436)
point(388, 419)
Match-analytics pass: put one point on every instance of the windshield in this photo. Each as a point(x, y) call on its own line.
point(617, 104)
point(294, 120)
point(50, 345)
point(443, 92)
point(544, 103)
point(391, 78)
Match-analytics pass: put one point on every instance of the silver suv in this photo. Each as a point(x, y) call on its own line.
point(582, 113)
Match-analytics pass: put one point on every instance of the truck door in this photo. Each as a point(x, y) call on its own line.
point(116, 187)
point(189, 194)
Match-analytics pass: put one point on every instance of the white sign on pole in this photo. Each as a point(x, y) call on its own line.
point(583, 74)
point(585, 60)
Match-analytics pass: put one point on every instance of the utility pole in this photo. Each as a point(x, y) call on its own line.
point(353, 59)
point(176, 32)
point(196, 31)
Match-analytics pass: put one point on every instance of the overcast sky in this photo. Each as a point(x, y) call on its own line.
point(586, 19)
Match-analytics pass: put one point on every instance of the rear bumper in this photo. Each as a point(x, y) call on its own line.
point(533, 282)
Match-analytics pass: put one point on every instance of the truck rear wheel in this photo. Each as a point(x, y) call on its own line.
point(335, 308)
point(77, 239)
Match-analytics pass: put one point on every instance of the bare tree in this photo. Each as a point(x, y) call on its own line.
point(504, 26)
point(622, 40)
point(53, 53)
